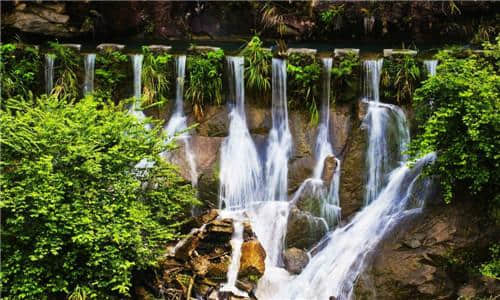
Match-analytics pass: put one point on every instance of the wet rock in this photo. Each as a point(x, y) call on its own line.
point(303, 229)
point(252, 259)
point(215, 122)
point(185, 248)
point(224, 226)
point(341, 125)
point(295, 260)
point(299, 170)
point(329, 169)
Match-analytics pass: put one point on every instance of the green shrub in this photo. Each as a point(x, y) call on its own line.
point(112, 71)
point(399, 79)
point(459, 115)
point(158, 77)
point(204, 79)
point(257, 67)
point(492, 267)
point(345, 78)
point(68, 66)
point(303, 73)
point(77, 216)
point(331, 19)
point(21, 69)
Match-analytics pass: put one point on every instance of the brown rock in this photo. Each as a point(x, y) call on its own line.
point(295, 260)
point(220, 226)
point(299, 170)
point(184, 249)
point(252, 259)
point(49, 14)
point(329, 169)
point(303, 229)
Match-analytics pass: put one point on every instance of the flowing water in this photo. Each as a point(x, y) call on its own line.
point(177, 125)
point(280, 139)
point(431, 66)
point(49, 72)
point(135, 109)
point(89, 63)
point(240, 166)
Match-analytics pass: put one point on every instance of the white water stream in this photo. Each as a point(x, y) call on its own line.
point(89, 64)
point(49, 72)
point(431, 66)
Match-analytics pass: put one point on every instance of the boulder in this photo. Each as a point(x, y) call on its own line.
point(303, 229)
point(299, 170)
point(252, 260)
point(295, 260)
point(329, 169)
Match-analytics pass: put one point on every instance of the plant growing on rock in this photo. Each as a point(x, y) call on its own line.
point(204, 79)
point(303, 73)
point(20, 66)
point(257, 66)
point(79, 215)
point(111, 72)
point(345, 77)
point(67, 70)
point(399, 79)
point(157, 76)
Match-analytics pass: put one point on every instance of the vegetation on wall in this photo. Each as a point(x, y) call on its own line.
point(459, 113)
point(79, 215)
point(204, 79)
point(67, 70)
point(303, 73)
point(112, 69)
point(158, 77)
point(21, 67)
point(400, 77)
point(346, 74)
point(257, 67)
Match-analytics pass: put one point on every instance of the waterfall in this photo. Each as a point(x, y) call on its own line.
point(430, 66)
point(334, 270)
point(234, 266)
point(49, 72)
point(136, 105)
point(89, 63)
point(240, 166)
point(177, 125)
point(280, 138)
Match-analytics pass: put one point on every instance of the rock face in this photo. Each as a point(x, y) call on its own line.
point(304, 230)
point(424, 258)
point(198, 264)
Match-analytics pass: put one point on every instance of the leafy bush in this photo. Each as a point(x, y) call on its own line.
point(399, 79)
point(112, 70)
point(331, 19)
point(158, 76)
point(345, 77)
point(79, 215)
point(459, 113)
point(67, 70)
point(257, 66)
point(204, 79)
point(492, 267)
point(21, 67)
point(303, 73)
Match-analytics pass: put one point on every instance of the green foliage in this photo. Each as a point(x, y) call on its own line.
point(257, 66)
point(112, 69)
point(399, 79)
point(204, 79)
point(492, 267)
point(79, 215)
point(303, 73)
point(157, 77)
point(67, 70)
point(345, 77)
point(459, 115)
point(21, 68)
point(331, 19)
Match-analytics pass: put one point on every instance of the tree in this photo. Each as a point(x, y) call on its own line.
point(78, 211)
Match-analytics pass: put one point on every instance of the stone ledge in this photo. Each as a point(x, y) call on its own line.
point(160, 48)
point(344, 51)
point(391, 52)
point(110, 46)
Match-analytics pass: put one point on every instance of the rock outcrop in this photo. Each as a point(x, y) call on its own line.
point(197, 265)
point(427, 257)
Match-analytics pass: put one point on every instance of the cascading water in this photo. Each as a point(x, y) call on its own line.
point(386, 127)
point(89, 63)
point(334, 270)
point(280, 138)
point(137, 69)
point(430, 66)
point(49, 72)
point(177, 125)
point(240, 166)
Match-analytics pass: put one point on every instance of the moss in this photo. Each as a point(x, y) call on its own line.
point(401, 75)
point(303, 74)
point(346, 74)
point(112, 72)
point(22, 70)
